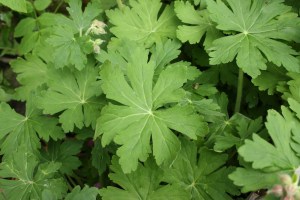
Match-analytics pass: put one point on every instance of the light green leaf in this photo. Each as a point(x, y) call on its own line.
point(63, 153)
point(199, 24)
point(142, 113)
point(265, 155)
point(144, 183)
point(142, 22)
point(86, 193)
point(31, 73)
point(25, 27)
point(17, 5)
point(23, 177)
point(41, 4)
point(256, 35)
point(252, 180)
point(75, 94)
point(201, 177)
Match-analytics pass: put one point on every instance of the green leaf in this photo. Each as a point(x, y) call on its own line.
point(63, 153)
point(265, 155)
point(25, 27)
point(23, 177)
point(100, 157)
point(199, 24)
point(31, 73)
point(201, 177)
point(252, 180)
point(244, 126)
point(67, 48)
point(82, 20)
point(141, 112)
point(74, 95)
point(143, 22)
point(144, 183)
point(17, 129)
point(17, 5)
point(86, 193)
point(257, 35)
point(28, 42)
point(41, 4)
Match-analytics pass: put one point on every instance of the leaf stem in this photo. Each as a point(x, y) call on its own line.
point(58, 6)
point(120, 4)
point(239, 91)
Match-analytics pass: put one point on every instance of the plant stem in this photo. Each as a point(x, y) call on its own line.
point(239, 91)
point(120, 4)
point(58, 6)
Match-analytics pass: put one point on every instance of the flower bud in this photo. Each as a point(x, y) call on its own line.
point(277, 191)
point(290, 190)
point(286, 179)
point(97, 27)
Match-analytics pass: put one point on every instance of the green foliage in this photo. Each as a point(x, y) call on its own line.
point(183, 99)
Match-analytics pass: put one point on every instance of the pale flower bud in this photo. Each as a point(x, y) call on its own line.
point(286, 179)
point(96, 45)
point(97, 27)
point(290, 190)
point(277, 191)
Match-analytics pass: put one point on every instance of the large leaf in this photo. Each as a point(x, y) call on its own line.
point(75, 94)
point(257, 30)
point(141, 113)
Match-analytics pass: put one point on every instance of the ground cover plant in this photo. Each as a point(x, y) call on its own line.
point(149, 99)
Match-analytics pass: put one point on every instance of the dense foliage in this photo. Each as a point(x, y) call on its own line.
point(149, 99)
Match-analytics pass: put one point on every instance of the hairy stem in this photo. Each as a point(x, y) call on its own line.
point(239, 91)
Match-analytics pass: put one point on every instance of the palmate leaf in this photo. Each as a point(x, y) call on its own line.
point(22, 177)
point(75, 94)
point(270, 160)
point(199, 24)
point(63, 153)
point(258, 29)
point(16, 129)
point(140, 114)
point(144, 183)
point(201, 177)
point(142, 22)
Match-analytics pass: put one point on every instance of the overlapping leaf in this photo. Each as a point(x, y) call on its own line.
point(200, 23)
point(257, 30)
point(85, 193)
point(142, 22)
point(17, 129)
point(23, 177)
point(270, 160)
point(63, 153)
point(144, 183)
point(75, 94)
point(141, 113)
point(201, 177)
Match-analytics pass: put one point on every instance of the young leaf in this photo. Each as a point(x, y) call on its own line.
point(63, 153)
point(200, 23)
point(201, 177)
point(144, 183)
point(257, 34)
point(23, 177)
point(17, 129)
point(75, 94)
point(142, 22)
point(140, 113)
point(86, 193)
